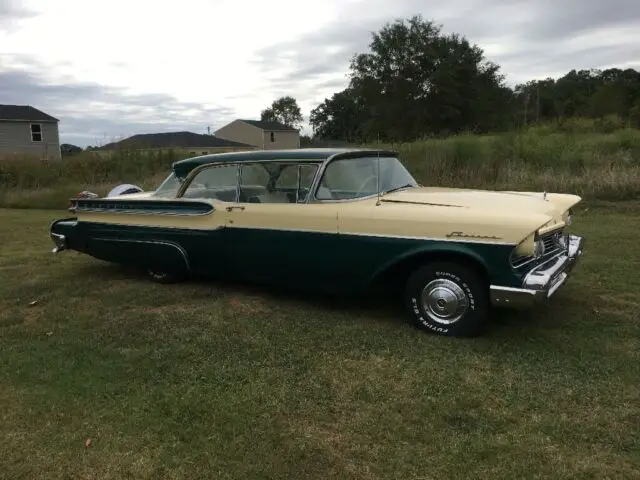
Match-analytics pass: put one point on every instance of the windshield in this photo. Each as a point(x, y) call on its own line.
point(168, 188)
point(351, 178)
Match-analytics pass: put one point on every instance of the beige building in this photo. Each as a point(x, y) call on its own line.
point(26, 131)
point(262, 135)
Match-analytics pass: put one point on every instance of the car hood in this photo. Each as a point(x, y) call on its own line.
point(520, 203)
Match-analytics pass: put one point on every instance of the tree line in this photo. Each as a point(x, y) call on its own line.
point(415, 81)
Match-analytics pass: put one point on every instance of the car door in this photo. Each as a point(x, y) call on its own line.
point(206, 241)
point(273, 237)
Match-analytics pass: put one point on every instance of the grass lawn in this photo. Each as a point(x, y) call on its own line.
point(202, 380)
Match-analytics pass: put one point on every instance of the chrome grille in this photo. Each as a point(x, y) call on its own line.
point(552, 246)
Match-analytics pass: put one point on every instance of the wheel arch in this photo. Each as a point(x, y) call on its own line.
point(395, 272)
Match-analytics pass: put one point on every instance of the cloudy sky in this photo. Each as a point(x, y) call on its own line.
point(110, 69)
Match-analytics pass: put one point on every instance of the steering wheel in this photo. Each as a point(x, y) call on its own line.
point(364, 184)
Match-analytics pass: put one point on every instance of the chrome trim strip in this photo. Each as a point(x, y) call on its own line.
point(139, 212)
point(156, 242)
point(435, 239)
point(543, 281)
point(342, 233)
point(297, 183)
point(153, 226)
point(390, 200)
point(238, 185)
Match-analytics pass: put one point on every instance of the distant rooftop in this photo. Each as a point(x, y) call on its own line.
point(173, 139)
point(24, 113)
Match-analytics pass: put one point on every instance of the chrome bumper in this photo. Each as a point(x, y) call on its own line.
point(541, 282)
point(60, 241)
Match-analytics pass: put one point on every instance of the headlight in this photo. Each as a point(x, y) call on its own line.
point(538, 248)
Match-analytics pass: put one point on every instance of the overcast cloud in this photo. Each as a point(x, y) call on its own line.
point(112, 69)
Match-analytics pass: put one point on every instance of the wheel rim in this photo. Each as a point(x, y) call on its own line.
point(444, 301)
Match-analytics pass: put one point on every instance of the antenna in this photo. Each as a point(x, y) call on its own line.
point(378, 175)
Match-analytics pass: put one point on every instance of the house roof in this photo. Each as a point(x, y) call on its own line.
point(269, 125)
point(24, 113)
point(183, 167)
point(173, 139)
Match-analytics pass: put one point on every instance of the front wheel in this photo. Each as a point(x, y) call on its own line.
point(448, 299)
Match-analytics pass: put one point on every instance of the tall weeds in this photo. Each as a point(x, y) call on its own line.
point(603, 166)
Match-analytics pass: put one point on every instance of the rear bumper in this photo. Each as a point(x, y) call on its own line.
point(60, 242)
point(60, 232)
point(541, 282)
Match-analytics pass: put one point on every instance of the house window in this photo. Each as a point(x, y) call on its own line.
point(273, 138)
point(36, 132)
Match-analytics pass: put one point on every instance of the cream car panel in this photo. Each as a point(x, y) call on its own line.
point(284, 216)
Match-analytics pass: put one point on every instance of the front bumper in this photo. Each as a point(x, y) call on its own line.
point(541, 282)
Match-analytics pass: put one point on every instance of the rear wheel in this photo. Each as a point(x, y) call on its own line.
point(448, 299)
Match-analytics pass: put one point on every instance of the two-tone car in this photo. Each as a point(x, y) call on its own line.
point(339, 220)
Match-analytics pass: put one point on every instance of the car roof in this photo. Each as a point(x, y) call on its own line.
point(183, 167)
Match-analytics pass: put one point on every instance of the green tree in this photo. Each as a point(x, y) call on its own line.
point(284, 110)
point(582, 93)
point(417, 81)
point(340, 117)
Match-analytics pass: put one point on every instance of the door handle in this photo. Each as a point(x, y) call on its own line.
point(240, 207)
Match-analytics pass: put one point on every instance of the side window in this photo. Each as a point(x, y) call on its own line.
point(217, 182)
point(288, 178)
point(254, 182)
point(288, 181)
point(273, 182)
point(36, 132)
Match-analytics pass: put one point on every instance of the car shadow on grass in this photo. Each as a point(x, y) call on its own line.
point(374, 305)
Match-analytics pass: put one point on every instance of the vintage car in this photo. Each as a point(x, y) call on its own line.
point(341, 220)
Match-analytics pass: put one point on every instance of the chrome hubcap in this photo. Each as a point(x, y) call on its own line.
point(444, 301)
